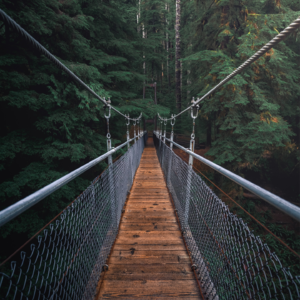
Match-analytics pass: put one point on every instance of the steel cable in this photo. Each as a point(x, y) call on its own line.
point(278, 38)
point(31, 40)
point(252, 217)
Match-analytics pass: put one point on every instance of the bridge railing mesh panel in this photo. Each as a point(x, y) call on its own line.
point(232, 263)
point(66, 260)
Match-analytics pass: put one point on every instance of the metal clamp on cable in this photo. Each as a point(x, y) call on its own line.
point(194, 117)
point(165, 132)
point(172, 132)
point(127, 131)
point(108, 136)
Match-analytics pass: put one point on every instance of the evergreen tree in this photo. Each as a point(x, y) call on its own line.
point(245, 111)
point(49, 125)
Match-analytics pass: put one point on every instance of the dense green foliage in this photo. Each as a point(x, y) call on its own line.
point(252, 123)
point(49, 125)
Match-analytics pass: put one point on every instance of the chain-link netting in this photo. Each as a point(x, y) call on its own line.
point(66, 260)
point(232, 263)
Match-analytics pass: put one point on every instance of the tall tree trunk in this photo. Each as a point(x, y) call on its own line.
point(177, 56)
point(144, 35)
point(167, 44)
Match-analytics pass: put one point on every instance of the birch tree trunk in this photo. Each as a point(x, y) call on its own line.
point(177, 56)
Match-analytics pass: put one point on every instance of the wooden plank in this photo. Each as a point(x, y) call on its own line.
point(153, 192)
point(149, 159)
point(148, 181)
point(150, 198)
point(151, 186)
point(171, 246)
point(135, 241)
point(144, 214)
point(145, 218)
point(149, 209)
point(154, 211)
point(146, 195)
point(149, 201)
point(149, 288)
point(152, 179)
point(171, 226)
point(149, 276)
point(149, 204)
point(149, 253)
point(144, 235)
point(160, 297)
point(124, 260)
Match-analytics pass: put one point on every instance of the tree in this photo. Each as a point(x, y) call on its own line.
point(178, 56)
point(49, 125)
point(246, 111)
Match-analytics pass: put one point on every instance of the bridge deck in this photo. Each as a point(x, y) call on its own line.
point(149, 259)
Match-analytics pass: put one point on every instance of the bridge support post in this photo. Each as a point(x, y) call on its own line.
point(138, 130)
point(130, 162)
point(134, 134)
point(164, 142)
point(170, 160)
point(171, 138)
point(108, 149)
point(190, 170)
point(159, 135)
point(189, 184)
point(128, 138)
point(112, 195)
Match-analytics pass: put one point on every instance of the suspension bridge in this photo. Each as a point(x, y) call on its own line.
point(148, 227)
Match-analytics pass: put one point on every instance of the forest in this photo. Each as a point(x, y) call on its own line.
point(119, 48)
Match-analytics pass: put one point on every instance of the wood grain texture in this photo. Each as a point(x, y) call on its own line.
point(149, 259)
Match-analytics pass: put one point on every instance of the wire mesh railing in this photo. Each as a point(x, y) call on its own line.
point(231, 262)
point(66, 260)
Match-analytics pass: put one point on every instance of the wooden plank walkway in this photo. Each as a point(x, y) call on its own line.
point(149, 259)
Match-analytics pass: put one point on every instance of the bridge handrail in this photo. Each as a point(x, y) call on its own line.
point(19, 207)
point(283, 205)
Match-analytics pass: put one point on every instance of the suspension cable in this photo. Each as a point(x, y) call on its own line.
point(13, 24)
point(252, 217)
point(277, 39)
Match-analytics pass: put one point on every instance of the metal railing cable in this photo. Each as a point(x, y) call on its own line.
point(65, 261)
point(274, 200)
point(16, 209)
point(278, 38)
point(14, 25)
point(251, 216)
point(22, 205)
point(231, 262)
point(38, 232)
